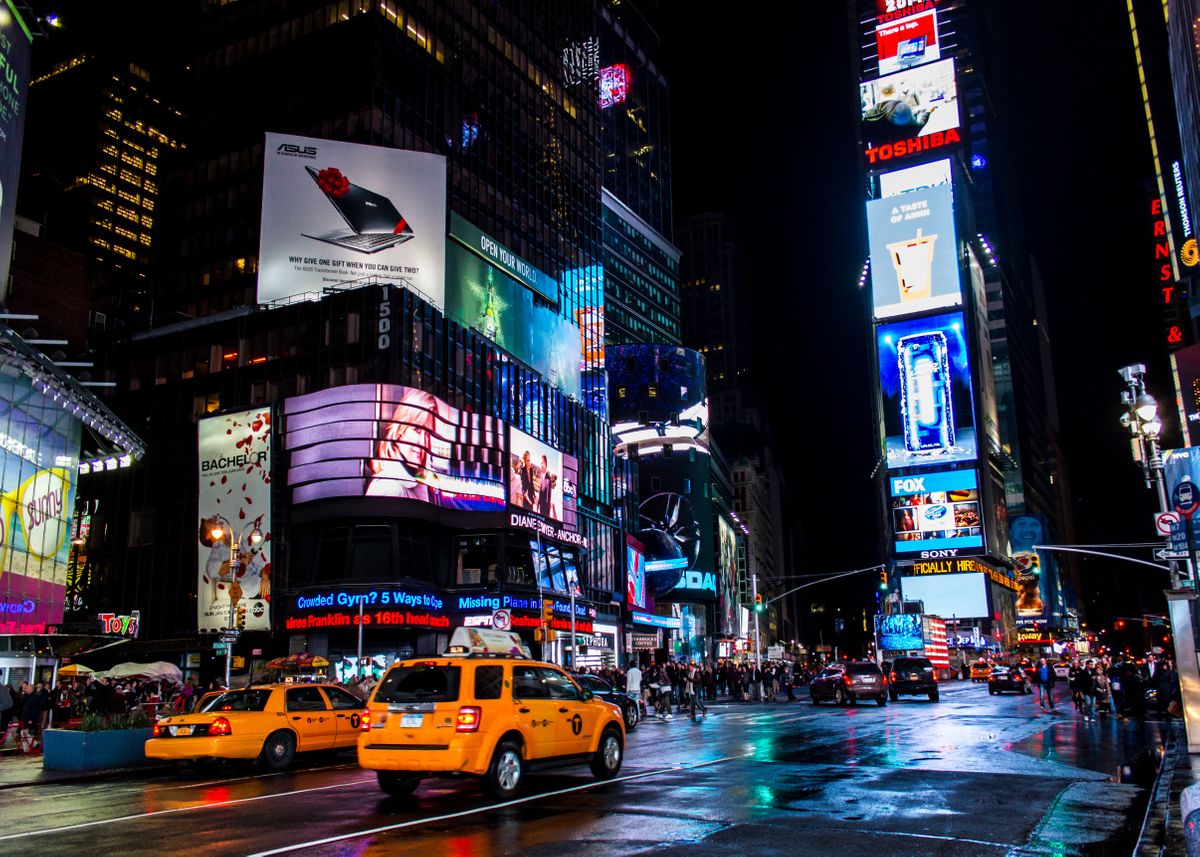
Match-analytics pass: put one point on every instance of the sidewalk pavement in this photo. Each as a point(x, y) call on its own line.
point(1163, 831)
point(19, 771)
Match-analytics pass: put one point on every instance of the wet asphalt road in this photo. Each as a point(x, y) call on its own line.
point(970, 775)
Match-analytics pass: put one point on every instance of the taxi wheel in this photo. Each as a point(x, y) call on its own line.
point(278, 750)
point(397, 784)
point(506, 772)
point(606, 762)
point(631, 719)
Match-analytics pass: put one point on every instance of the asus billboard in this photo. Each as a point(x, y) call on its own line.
point(337, 214)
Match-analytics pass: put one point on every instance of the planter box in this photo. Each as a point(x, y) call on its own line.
point(72, 750)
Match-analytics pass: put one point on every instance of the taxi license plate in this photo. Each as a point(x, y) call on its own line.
point(181, 731)
point(411, 721)
point(868, 679)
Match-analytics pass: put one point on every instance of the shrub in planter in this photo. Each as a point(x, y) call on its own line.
point(98, 743)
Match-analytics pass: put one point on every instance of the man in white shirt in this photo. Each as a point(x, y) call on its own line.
point(633, 682)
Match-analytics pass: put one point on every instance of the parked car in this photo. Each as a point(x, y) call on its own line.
point(1007, 678)
point(850, 682)
point(913, 677)
point(631, 708)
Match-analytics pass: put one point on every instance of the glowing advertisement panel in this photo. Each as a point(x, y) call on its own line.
point(334, 213)
point(234, 532)
point(936, 512)
point(726, 577)
point(950, 596)
point(925, 384)
point(900, 632)
point(895, 182)
point(535, 475)
point(635, 573)
point(16, 44)
point(914, 252)
point(485, 298)
point(1036, 570)
point(1185, 364)
point(389, 441)
point(908, 42)
point(910, 112)
point(39, 453)
point(675, 520)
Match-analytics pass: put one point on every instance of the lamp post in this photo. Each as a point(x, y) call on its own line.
point(235, 589)
point(1142, 422)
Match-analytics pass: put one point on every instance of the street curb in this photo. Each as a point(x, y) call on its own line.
point(1155, 837)
point(84, 777)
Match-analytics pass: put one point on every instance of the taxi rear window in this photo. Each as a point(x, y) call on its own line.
point(420, 683)
point(239, 700)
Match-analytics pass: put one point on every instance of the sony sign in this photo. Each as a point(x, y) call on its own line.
point(939, 554)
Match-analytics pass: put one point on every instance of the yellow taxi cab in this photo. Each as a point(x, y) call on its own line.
point(485, 710)
point(267, 722)
point(980, 670)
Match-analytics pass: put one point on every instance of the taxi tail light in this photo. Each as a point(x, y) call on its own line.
point(220, 726)
point(366, 722)
point(468, 719)
point(158, 730)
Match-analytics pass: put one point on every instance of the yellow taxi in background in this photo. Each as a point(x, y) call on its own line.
point(485, 710)
point(980, 670)
point(269, 722)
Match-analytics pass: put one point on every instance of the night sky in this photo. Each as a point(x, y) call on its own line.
point(764, 129)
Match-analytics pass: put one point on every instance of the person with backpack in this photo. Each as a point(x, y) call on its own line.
point(1045, 678)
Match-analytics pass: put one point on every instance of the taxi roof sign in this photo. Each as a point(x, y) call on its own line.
point(486, 641)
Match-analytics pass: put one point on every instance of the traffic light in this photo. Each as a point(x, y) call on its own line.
point(241, 618)
point(883, 581)
point(547, 612)
point(537, 635)
point(758, 603)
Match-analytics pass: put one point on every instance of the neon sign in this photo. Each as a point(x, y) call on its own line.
point(903, 148)
point(120, 624)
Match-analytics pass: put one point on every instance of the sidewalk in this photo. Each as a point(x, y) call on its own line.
point(1163, 831)
point(19, 771)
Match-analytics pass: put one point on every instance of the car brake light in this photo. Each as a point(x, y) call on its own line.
point(468, 718)
point(366, 722)
point(158, 730)
point(935, 678)
point(885, 679)
point(220, 726)
point(893, 676)
point(846, 678)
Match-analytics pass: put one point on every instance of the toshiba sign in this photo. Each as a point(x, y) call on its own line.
point(912, 111)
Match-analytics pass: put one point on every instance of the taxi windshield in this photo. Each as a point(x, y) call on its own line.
point(420, 683)
point(238, 700)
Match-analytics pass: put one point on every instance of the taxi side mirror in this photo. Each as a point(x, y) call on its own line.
point(585, 694)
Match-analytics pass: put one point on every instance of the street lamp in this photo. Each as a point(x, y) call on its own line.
point(217, 533)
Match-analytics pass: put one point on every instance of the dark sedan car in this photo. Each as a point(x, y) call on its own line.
point(914, 677)
point(850, 682)
point(1007, 678)
point(631, 709)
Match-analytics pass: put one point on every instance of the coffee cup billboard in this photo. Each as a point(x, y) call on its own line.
point(914, 252)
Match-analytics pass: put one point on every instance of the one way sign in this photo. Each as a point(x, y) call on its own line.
point(1164, 553)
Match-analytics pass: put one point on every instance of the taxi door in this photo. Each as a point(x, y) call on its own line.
point(575, 719)
point(347, 715)
point(537, 714)
point(309, 714)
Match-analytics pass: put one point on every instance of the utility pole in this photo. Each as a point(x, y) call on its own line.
point(757, 638)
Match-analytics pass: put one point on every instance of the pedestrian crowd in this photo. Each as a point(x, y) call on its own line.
point(1102, 687)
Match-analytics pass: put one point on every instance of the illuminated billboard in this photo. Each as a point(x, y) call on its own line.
point(675, 520)
point(337, 213)
point(937, 512)
point(900, 632)
point(481, 296)
point(535, 475)
point(635, 573)
point(896, 182)
point(925, 385)
point(914, 252)
point(656, 395)
point(39, 453)
point(1185, 365)
point(1034, 567)
point(16, 43)
point(950, 596)
point(234, 532)
point(909, 112)
point(727, 577)
point(907, 42)
point(389, 441)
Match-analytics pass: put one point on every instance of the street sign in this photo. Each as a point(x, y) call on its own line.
point(1186, 498)
point(501, 620)
point(221, 647)
point(1164, 553)
point(1163, 522)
